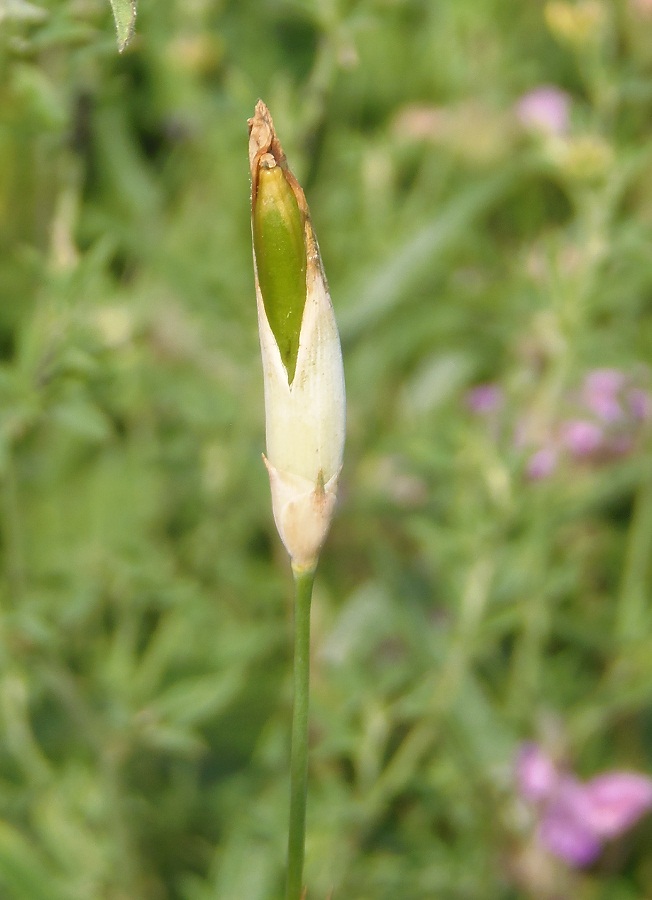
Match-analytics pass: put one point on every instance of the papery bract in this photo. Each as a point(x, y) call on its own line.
point(305, 407)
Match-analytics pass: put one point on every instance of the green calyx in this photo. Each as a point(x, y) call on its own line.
point(280, 248)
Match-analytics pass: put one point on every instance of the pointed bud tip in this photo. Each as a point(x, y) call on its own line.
point(262, 140)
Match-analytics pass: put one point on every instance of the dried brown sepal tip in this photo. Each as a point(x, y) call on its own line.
point(265, 151)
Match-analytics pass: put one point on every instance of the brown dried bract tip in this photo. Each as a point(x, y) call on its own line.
point(265, 149)
point(263, 139)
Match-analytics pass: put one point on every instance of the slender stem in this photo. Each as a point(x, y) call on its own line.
point(12, 531)
point(631, 612)
point(303, 582)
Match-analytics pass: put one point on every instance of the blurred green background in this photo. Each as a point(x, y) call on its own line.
point(487, 578)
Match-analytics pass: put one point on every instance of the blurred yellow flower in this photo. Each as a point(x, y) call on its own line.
point(578, 24)
point(584, 158)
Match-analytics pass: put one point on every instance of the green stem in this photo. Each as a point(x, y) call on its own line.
point(303, 582)
point(631, 612)
point(12, 531)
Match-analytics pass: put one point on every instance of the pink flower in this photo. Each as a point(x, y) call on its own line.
point(545, 109)
point(564, 829)
point(575, 818)
point(536, 773)
point(485, 398)
point(542, 463)
point(601, 394)
point(639, 403)
point(616, 801)
point(596, 422)
point(581, 437)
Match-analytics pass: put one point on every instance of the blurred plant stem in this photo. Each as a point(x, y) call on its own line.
point(303, 582)
point(631, 613)
point(572, 289)
point(318, 90)
point(12, 531)
point(528, 655)
point(443, 688)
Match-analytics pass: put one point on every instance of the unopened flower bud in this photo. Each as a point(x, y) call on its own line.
point(302, 359)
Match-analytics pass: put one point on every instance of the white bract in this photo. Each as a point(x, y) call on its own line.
point(305, 419)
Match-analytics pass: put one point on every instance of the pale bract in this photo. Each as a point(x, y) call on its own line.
point(305, 418)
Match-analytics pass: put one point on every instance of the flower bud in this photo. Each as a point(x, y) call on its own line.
point(305, 408)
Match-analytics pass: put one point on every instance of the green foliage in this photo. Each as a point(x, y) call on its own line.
point(461, 606)
point(124, 13)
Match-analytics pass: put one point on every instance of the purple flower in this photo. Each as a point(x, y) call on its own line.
point(616, 801)
point(601, 394)
point(575, 818)
point(542, 463)
point(593, 424)
point(544, 109)
point(639, 403)
point(485, 398)
point(581, 437)
point(536, 773)
point(564, 828)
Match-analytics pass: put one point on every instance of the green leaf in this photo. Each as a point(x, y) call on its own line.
point(192, 700)
point(82, 419)
point(124, 13)
point(24, 873)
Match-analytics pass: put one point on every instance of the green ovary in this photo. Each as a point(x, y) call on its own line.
point(280, 250)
